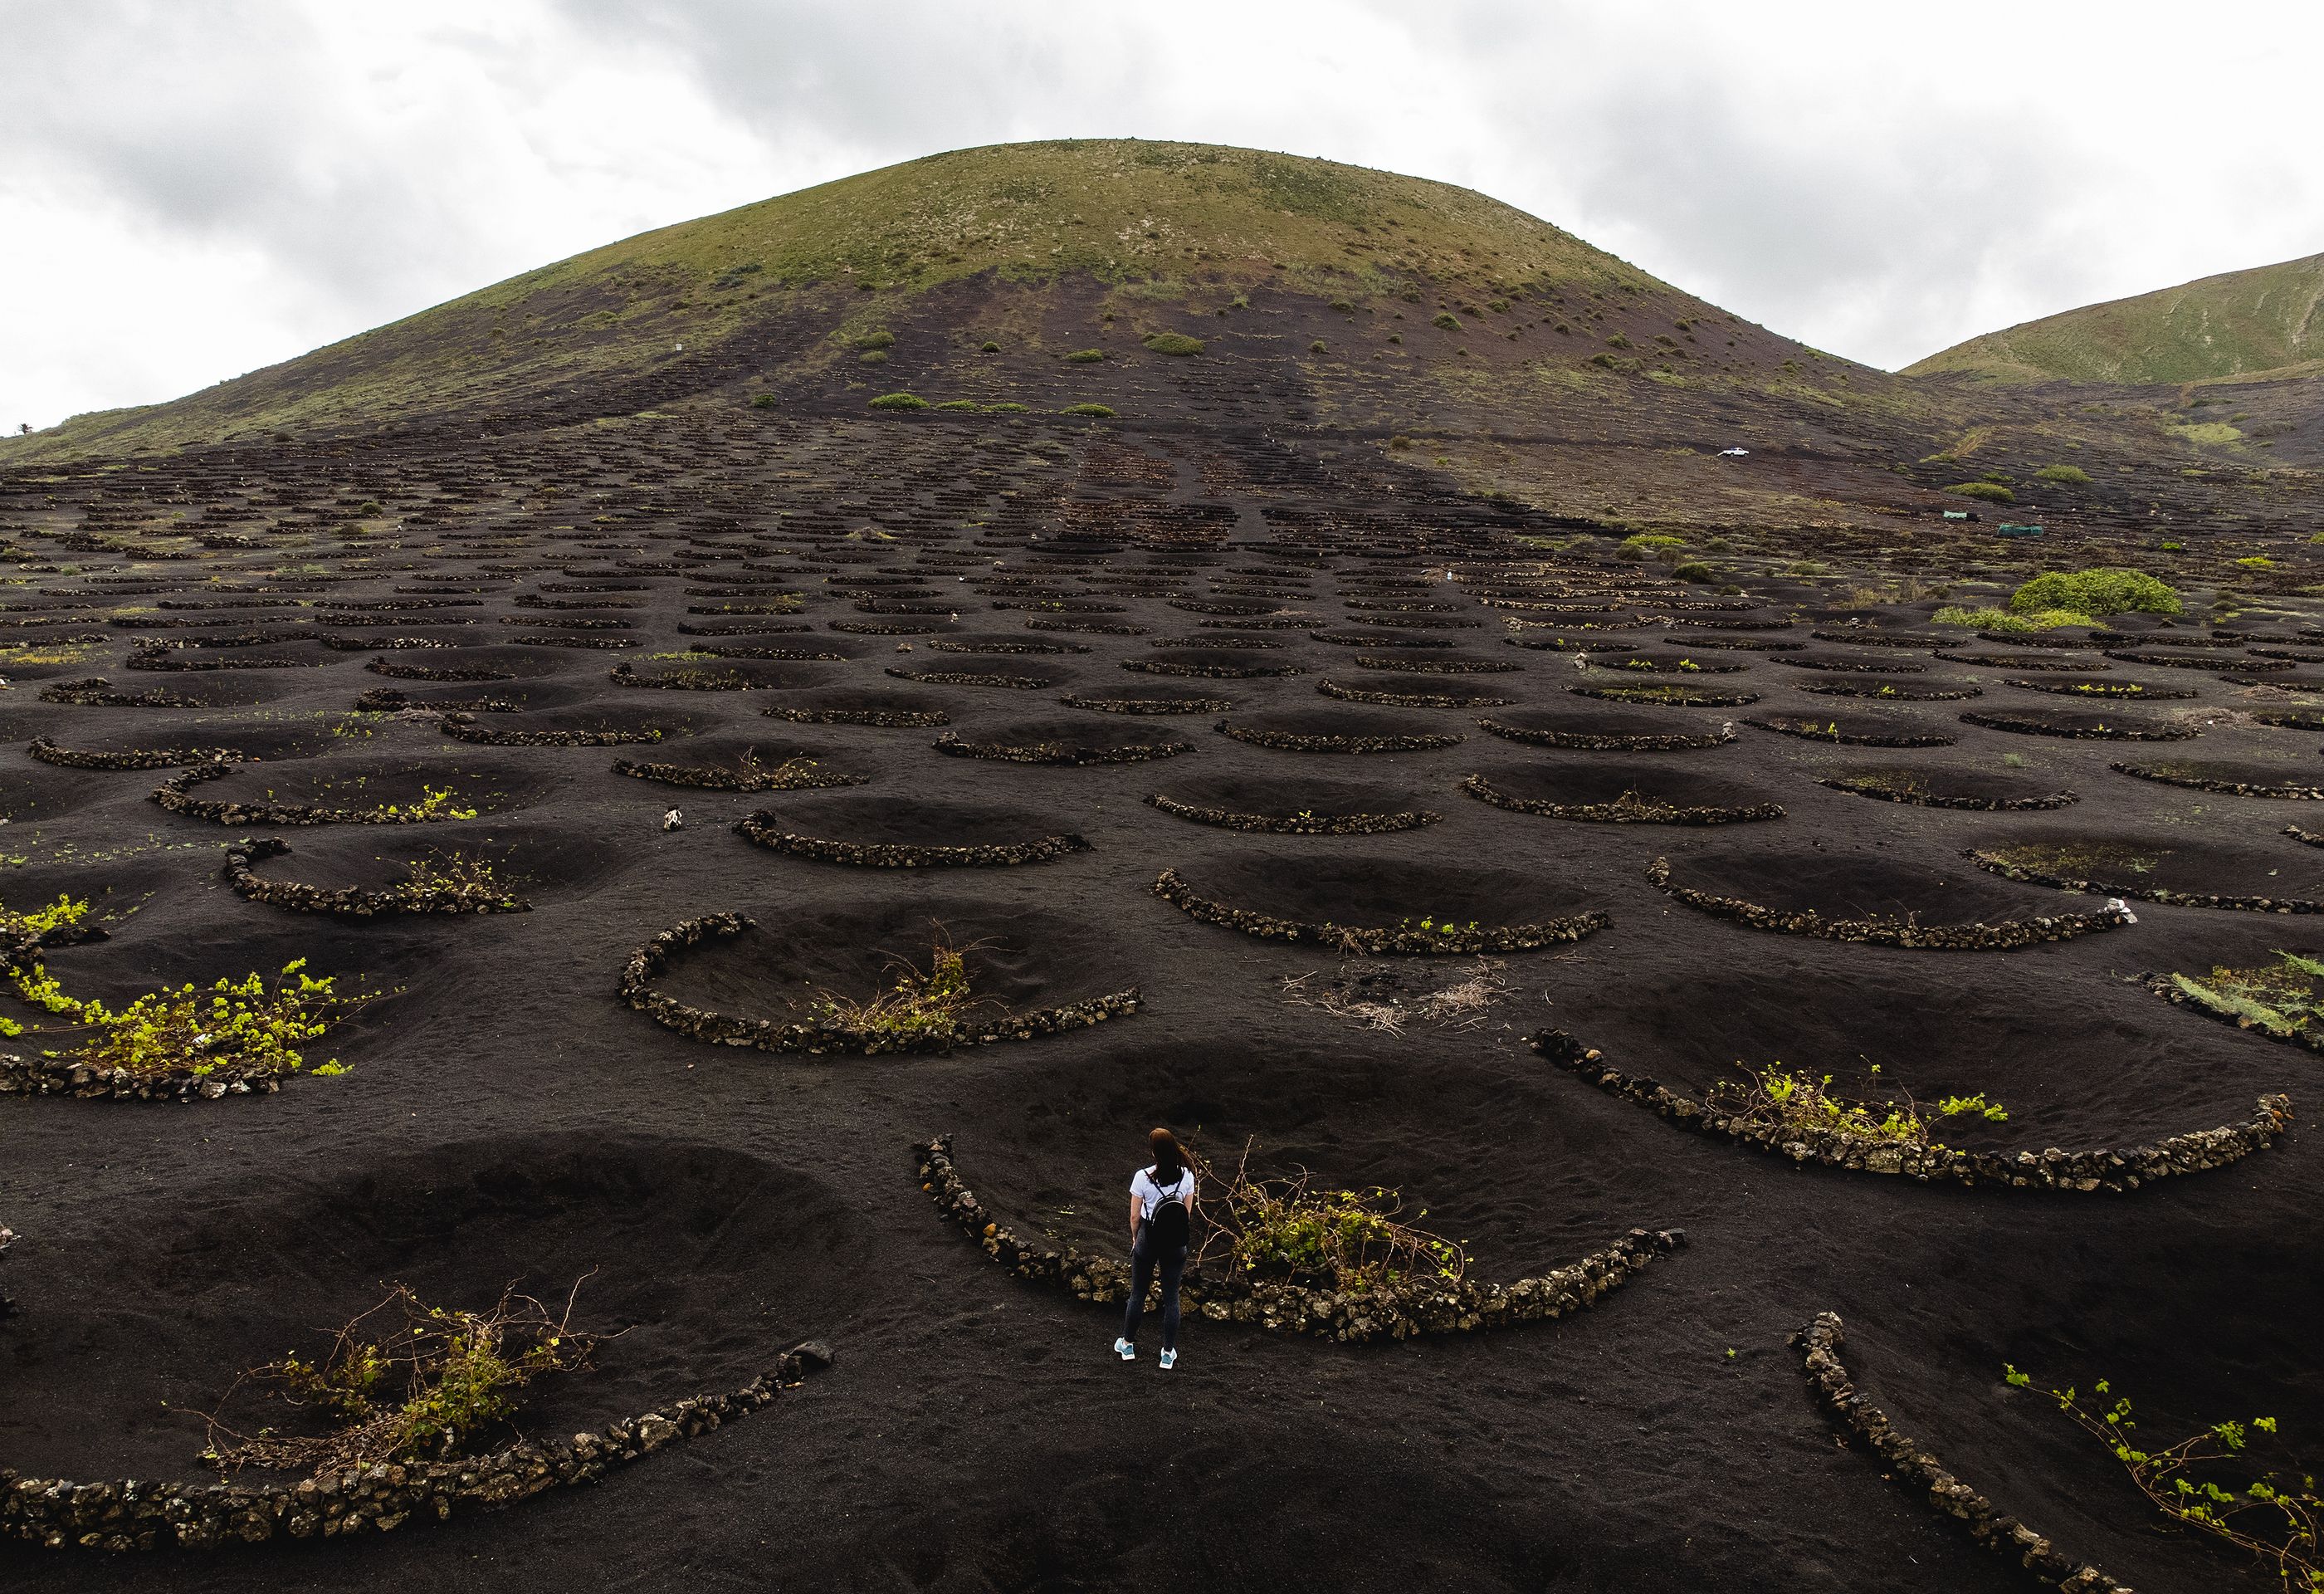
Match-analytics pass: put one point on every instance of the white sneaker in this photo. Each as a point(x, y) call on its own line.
point(1125, 1349)
point(1170, 1360)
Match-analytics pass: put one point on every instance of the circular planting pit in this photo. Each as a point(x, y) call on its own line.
point(1329, 730)
point(1857, 731)
point(1873, 900)
point(198, 743)
point(1641, 661)
point(2121, 691)
point(1855, 663)
point(1940, 786)
point(1891, 691)
point(859, 706)
point(1606, 732)
point(2092, 725)
point(662, 1234)
point(95, 691)
point(1293, 807)
point(484, 867)
point(829, 981)
point(1210, 664)
point(2177, 871)
point(366, 790)
point(967, 673)
point(2035, 662)
point(883, 834)
point(1147, 700)
point(1069, 742)
point(1006, 645)
point(1620, 791)
point(2290, 718)
point(469, 663)
point(1412, 692)
point(598, 727)
point(2231, 779)
point(1667, 696)
point(1440, 664)
point(732, 765)
point(1383, 905)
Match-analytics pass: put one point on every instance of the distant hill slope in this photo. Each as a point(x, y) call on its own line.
point(1156, 231)
point(2236, 324)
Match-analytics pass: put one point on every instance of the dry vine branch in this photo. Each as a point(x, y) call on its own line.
point(417, 1391)
point(1285, 1229)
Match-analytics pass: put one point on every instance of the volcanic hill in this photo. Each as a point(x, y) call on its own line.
point(2267, 321)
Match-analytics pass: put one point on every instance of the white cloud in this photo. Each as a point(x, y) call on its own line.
point(191, 192)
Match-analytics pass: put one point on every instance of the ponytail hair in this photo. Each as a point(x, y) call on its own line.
point(1170, 1158)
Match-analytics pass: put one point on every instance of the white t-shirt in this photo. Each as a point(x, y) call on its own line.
point(1146, 1189)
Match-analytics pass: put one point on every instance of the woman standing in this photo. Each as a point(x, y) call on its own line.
point(1161, 1221)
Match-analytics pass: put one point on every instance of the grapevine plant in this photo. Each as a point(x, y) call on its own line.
point(2205, 1482)
point(245, 1027)
point(1776, 1097)
point(407, 1381)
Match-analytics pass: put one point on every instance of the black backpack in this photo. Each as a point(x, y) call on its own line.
point(1166, 1227)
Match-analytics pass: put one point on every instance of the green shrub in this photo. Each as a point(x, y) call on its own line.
point(1086, 356)
point(1399, 443)
point(1695, 569)
point(876, 341)
point(2096, 593)
point(1007, 409)
point(1653, 539)
point(989, 347)
point(1173, 343)
point(1446, 319)
point(2174, 548)
point(2070, 475)
point(1617, 342)
point(873, 357)
point(765, 400)
point(899, 401)
point(2256, 561)
point(955, 404)
point(1344, 307)
point(1991, 492)
point(1317, 346)
point(1098, 411)
point(2002, 620)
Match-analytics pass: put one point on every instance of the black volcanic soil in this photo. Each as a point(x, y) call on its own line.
point(506, 1119)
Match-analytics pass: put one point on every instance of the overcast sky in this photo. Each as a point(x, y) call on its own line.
point(192, 188)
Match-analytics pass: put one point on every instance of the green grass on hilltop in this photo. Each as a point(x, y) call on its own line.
point(2243, 322)
point(1153, 220)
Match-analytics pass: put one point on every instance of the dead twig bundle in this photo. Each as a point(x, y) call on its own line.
point(1458, 1006)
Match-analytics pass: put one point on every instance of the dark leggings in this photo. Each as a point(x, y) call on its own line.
point(1141, 1272)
